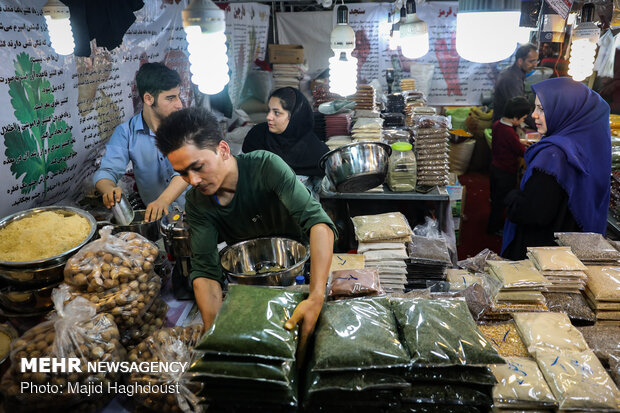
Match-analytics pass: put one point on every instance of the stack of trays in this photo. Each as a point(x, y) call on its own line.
point(428, 261)
point(407, 84)
point(603, 293)
point(591, 248)
point(520, 288)
point(338, 124)
point(365, 97)
point(319, 125)
point(431, 147)
point(253, 363)
point(561, 267)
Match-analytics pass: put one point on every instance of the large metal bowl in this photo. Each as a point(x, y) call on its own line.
point(259, 254)
point(357, 167)
point(149, 230)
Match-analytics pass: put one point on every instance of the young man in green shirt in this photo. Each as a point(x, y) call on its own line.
point(235, 198)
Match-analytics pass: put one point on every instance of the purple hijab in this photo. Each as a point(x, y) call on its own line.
point(576, 151)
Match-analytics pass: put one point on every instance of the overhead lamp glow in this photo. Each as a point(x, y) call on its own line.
point(413, 34)
point(486, 30)
point(59, 27)
point(583, 45)
point(342, 66)
point(204, 25)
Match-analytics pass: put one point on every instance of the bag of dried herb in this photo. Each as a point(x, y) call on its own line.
point(442, 333)
point(480, 376)
point(276, 372)
point(357, 334)
point(521, 385)
point(251, 323)
point(450, 394)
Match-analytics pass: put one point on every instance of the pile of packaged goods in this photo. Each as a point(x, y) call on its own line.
point(367, 129)
point(603, 293)
point(559, 266)
point(591, 248)
point(431, 147)
point(116, 274)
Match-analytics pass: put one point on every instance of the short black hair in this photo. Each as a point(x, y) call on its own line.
point(154, 78)
point(194, 126)
point(517, 107)
point(524, 50)
point(287, 97)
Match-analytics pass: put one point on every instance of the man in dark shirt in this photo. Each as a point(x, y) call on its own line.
point(510, 82)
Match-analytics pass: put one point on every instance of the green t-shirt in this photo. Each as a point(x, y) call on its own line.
point(269, 201)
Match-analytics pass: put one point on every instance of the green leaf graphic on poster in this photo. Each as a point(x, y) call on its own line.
point(40, 145)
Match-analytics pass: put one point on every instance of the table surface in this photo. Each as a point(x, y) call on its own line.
point(436, 194)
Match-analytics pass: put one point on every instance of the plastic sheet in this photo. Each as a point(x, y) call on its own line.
point(381, 227)
point(357, 334)
point(550, 331)
point(521, 385)
point(355, 283)
point(251, 323)
point(442, 333)
point(478, 263)
point(578, 381)
point(555, 259)
point(172, 344)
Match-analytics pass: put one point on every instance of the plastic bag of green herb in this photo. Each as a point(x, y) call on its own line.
point(474, 375)
point(251, 323)
point(442, 333)
point(446, 394)
point(277, 372)
point(357, 334)
point(350, 381)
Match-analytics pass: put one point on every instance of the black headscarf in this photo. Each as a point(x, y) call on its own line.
point(298, 146)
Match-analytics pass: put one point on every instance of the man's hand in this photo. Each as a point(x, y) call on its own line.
point(306, 314)
point(155, 210)
point(111, 197)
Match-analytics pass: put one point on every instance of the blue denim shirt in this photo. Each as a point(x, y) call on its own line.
point(134, 141)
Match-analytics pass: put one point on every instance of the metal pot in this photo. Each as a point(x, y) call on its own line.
point(357, 167)
point(260, 254)
point(27, 301)
point(175, 231)
point(149, 230)
point(48, 270)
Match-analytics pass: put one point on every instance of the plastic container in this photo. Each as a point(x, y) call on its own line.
point(300, 280)
point(402, 168)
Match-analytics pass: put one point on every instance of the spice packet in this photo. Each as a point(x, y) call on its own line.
point(549, 331)
point(520, 382)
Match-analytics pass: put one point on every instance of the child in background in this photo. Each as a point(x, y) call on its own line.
point(506, 149)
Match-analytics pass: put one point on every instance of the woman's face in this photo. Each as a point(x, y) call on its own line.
point(277, 118)
point(539, 117)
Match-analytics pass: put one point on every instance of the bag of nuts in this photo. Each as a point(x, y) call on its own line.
point(152, 320)
point(171, 344)
point(74, 331)
point(116, 274)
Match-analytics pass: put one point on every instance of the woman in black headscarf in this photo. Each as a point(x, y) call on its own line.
point(289, 133)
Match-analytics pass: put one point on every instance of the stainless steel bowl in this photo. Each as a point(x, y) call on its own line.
point(357, 167)
point(27, 301)
point(260, 254)
point(149, 230)
point(46, 270)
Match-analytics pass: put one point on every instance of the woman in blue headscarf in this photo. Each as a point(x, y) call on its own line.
point(565, 187)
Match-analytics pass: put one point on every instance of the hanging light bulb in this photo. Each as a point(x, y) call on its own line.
point(413, 34)
point(486, 30)
point(59, 27)
point(583, 45)
point(342, 66)
point(204, 25)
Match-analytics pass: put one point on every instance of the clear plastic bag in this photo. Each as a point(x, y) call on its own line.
point(355, 381)
point(521, 384)
point(278, 372)
point(603, 340)
point(354, 283)
point(550, 331)
point(450, 394)
point(73, 330)
point(380, 255)
point(429, 249)
point(251, 323)
point(603, 283)
point(172, 344)
point(357, 334)
point(475, 375)
point(442, 333)
point(588, 246)
point(461, 279)
point(379, 227)
point(555, 259)
point(505, 338)
point(574, 305)
point(433, 121)
point(152, 320)
point(368, 123)
point(517, 274)
point(578, 381)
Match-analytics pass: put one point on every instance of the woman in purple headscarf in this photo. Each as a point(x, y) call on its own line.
point(566, 184)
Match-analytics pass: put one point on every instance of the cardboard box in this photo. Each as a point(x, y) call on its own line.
point(286, 53)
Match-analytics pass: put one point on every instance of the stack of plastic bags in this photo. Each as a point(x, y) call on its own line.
point(288, 75)
point(365, 97)
point(362, 369)
point(591, 248)
point(338, 141)
point(367, 129)
point(560, 266)
point(337, 125)
point(575, 376)
point(382, 240)
point(429, 258)
point(407, 84)
point(247, 356)
point(521, 287)
point(431, 147)
point(603, 293)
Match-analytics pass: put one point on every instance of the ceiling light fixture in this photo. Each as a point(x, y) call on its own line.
point(342, 66)
point(413, 34)
point(57, 18)
point(583, 45)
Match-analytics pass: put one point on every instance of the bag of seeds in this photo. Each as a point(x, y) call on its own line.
point(357, 334)
point(172, 390)
point(251, 323)
point(381, 227)
point(588, 246)
point(550, 331)
point(505, 338)
point(573, 304)
point(442, 333)
point(74, 330)
point(604, 340)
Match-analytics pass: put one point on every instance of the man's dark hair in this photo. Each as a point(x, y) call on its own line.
point(154, 78)
point(287, 97)
point(517, 107)
point(524, 50)
point(194, 126)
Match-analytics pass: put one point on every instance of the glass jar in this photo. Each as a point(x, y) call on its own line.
point(402, 168)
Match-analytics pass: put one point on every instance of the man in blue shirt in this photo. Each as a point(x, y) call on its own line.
point(158, 184)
